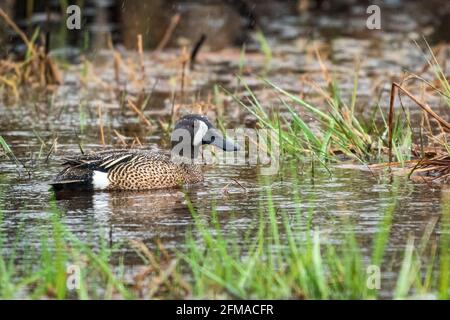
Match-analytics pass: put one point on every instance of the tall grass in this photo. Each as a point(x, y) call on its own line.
point(280, 256)
point(8, 153)
point(444, 264)
point(438, 73)
point(336, 132)
point(265, 49)
point(275, 259)
point(29, 273)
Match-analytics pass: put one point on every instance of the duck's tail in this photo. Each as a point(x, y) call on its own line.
point(72, 178)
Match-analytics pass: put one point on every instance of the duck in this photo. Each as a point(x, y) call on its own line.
point(137, 169)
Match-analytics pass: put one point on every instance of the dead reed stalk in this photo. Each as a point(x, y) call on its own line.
point(395, 86)
point(102, 134)
point(139, 113)
point(168, 34)
point(14, 26)
point(36, 67)
point(141, 56)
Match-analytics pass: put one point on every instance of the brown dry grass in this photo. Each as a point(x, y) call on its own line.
point(37, 69)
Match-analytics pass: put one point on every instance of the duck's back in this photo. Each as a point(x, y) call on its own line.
point(125, 169)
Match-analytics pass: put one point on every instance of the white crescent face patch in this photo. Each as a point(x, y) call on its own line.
point(201, 128)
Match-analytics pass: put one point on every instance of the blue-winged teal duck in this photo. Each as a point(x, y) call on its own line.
point(127, 169)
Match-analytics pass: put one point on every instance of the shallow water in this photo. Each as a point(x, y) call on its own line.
point(351, 194)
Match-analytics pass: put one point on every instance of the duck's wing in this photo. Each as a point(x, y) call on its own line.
point(80, 169)
point(98, 160)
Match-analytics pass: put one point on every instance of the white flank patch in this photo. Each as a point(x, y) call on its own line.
point(201, 131)
point(100, 180)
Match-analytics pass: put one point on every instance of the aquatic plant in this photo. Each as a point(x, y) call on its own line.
point(277, 257)
point(337, 132)
point(433, 159)
point(36, 67)
point(276, 260)
point(43, 271)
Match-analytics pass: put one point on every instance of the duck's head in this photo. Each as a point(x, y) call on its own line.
point(194, 130)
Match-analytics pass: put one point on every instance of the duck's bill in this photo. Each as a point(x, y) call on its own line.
point(214, 137)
